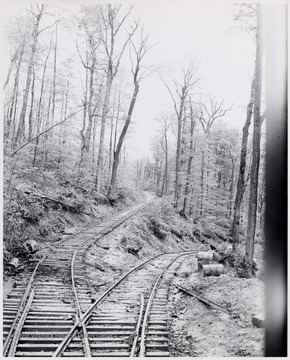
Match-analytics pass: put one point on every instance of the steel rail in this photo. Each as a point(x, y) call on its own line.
point(203, 299)
point(10, 337)
point(17, 333)
point(105, 231)
point(22, 304)
point(89, 312)
point(133, 349)
point(149, 303)
point(86, 344)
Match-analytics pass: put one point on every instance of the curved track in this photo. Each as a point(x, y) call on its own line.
point(52, 317)
point(37, 315)
point(113, 322)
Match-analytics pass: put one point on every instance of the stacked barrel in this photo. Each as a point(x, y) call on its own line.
point(208, 263)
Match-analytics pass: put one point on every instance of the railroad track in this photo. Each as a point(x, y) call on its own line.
point(51, 317)
point(114, 322)
point(49, 304)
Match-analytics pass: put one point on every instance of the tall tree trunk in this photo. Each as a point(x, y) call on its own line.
point(252, 214)
point(12, 110)
point(201, 205)
point(116, 125)
point(47, 125)
point(235, 230)
point(103, 124)
point(189, 165)
point(121, 139)
point(30, 118)
point(20, 131)
point(178, 152)
point(111, 145)
point(88, 133)
point(82, 131)
point(54, 80)
point(165, 176)
point(231, 189)
point(13, 60)
point(40, 105)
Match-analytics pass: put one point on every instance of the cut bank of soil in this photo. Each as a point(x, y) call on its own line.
point(109, 259)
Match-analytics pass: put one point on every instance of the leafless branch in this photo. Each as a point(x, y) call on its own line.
point(80, 56)
point(122, 21)
point(45, 131)
point(172, 97)
point(48, 27)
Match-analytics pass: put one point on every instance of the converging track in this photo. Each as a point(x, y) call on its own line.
point(50, 316)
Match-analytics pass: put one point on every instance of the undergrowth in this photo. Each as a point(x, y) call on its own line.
point(40, 205)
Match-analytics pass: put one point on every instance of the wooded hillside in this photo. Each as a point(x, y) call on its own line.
point(67, 115)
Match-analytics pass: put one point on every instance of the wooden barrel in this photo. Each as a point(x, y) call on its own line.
point(213, 270)
point(217, 257)
point(205, 255)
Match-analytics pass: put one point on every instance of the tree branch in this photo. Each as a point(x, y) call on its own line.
point(45, 131)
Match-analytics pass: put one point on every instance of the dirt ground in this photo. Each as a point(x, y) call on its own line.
point(195, 329)
point(112, 256)
point(199, 330)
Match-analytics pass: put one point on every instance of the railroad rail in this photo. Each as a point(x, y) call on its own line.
point(113, 322)
point(45, 308)
point(53, 318)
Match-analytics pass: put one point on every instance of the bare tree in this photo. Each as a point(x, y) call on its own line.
point(110, 32)
point(235, 230)
point(182, 90)
point(38, 16)
point(190, 158)
point(208, 115)
point(137, 77)
point(30, 121)
point(164, 146)
point(258, 120)
point(89, 110)
point(13, 104)
point(40, 102)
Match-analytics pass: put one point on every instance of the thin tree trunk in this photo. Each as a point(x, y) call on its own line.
point(165, 176)
point(111, 144)
point(54, 79)
point(231, 189)
point(30, 125)
point(88, 133)
point(12, 110)
point(121, 139)
point(189, 165)
point(13, 60)
point(82, 132)
point(178, 151)
point(20, 131)
point(103, 124)
point(40, 104)
point(47, 125)
point(60, 134)
point(116, 125)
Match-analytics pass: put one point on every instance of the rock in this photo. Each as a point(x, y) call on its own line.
point(258, 321)
point(31, 246)
point(14, 263)
point(70, 231)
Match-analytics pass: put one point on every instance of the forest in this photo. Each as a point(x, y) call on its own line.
point(70, 94)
